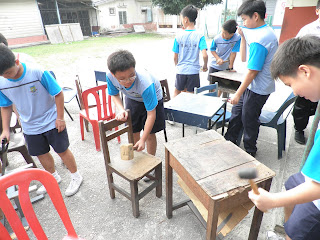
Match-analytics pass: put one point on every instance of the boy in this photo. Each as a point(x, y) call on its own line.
point(224, 48)
point(297, 64)
point(304, 108)
point(39, 102)
point(187, 46)
point(258, 83)
point(143, 97)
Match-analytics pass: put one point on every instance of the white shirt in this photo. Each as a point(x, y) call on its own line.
point(311, 28)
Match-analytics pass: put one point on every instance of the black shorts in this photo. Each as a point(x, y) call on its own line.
point(139, 115)
point(40, 144)
point(304, 222)
point(211, 79)
point(188, 82)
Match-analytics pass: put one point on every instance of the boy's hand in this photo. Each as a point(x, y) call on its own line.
point(5, 134)
point(263, 201)
point(140, 145)
point(235, 99)
point(122, 116)
point(240, 31)
point(219, 61)
point(60, 125)
point(204, 68)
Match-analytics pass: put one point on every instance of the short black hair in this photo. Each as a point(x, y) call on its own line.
point(230, 26)
point(293, 53)
point(7, 59)
point(190, 12)
point(121, 60)
point(249, 7)
point(318, 4)
point(3, 40)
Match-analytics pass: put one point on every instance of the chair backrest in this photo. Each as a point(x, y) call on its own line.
point(106, 126)
point(79, 91)
point(100, 77)
point(104, 108)
point(22, 179)
point(290, 100)
point(211, 88)
point(165, 90)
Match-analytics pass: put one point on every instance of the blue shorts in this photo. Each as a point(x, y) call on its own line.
point(188, 82)
point(139, 115)
point(304, 222)
point(40, 144)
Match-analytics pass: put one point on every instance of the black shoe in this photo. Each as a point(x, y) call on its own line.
point(253, 154)
point(299, 137)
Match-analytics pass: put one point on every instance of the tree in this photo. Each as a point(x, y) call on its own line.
point(174, 7)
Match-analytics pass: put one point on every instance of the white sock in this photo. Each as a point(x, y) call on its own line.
point(75, 175)
point(55, 174)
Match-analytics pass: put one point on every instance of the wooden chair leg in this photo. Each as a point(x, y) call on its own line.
point(158, 176)
point(110, 183)
point(24, 152)
point(134, 198)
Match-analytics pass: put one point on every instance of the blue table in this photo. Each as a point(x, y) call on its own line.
point(195, 110)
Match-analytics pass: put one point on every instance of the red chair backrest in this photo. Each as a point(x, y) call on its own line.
point(107, 112)
point(22, 179)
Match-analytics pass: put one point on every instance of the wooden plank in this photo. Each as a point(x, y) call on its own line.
point(137, 167)
point(229, 182)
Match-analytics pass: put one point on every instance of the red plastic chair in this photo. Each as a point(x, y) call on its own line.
point(22, 179)
point(102, 111)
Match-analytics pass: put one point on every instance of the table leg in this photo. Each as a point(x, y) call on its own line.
point(224, 116)
point(212, 221)
point(168, 186)
point(257, 216)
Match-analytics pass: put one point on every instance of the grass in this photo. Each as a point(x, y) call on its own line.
point(90, 44)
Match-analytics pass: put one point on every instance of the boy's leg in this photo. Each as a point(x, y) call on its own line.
point(152, 144)
point(235, 122)
point(301, 113)
point(47, 162)
point(180, 84)
point(68, 159)
point(252, 106)
point(193, 80)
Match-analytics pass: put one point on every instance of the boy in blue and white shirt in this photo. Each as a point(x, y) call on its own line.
point(143, 97)
point(39, 101)
point(186, 48)
point(224, 48)
point(257, 85)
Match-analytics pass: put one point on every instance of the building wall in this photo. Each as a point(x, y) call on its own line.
point(133, 9)
point(20, 21)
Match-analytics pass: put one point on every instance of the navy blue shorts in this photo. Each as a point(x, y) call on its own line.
point(304, 222)
point(40, 144)
point(188, 82)
point(139, 115)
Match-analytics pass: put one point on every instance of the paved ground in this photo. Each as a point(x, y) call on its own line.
point(96, 216)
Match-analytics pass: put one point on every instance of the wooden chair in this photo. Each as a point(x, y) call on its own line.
point(131, 170)
point(102, 111)
point(22, 179)
point(79, 92)
point(166, 98)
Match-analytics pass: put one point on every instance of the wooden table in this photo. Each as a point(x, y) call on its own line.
point(195, 110)
point(228, 82)
point(209, 165)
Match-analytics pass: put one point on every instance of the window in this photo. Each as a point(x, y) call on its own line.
point(123, 17)
point(112, 11)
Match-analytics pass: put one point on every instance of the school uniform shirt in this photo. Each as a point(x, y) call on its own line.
point(34, 96)
point(188, 45)
point(311, 28)
point(145, 88)
point(311, 168)
point(224, 48)
point(262, 44)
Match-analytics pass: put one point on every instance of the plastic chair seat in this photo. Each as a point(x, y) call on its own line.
point(267, 116)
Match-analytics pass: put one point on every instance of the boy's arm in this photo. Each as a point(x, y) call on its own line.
point(151, 118)
point(6, 113)
point(60, 123)
point(305, 192)
point(251, 74)
point(205, 60)
point(175, 58)
point(122, 115)
point(219, 61)
point(232, 58)
point(243, 46)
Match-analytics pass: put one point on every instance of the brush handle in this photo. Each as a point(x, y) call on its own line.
point(254, 186)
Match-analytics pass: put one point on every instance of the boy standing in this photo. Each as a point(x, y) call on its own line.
point(304, 108)
point(187, 46)
point(257, 85)
point(39, 102)
point(297, 64)
point(224, 48)
point(143, 97)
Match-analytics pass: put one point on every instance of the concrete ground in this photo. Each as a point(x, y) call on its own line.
point(96, 216)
